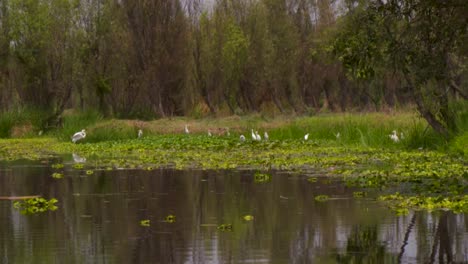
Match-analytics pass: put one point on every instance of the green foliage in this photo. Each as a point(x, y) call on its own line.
point(401, 203)
point(459, 145)
point(170, 219)
point(35, 205)
point(31, 118)
point(234, 52)
point(358, 47)
point(417, 40)
point(7, 121)
point(321, 198)
point(359, 194)
point(261, 177)
point(225, 227)
point(145, 223)
point(73, 123)
point(248, 217)
point(57, 175)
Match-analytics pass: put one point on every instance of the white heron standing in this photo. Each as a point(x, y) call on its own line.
point(78, 136)
point(254, 137)
point(338, 135)
point(140, 133)
point(266, 136)
point(306, 137)
point(186, 129)
point(209, 133)
point(259, 138)
point(242, 138)
point(394, 136)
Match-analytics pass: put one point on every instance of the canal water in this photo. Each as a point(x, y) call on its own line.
point(198, 216)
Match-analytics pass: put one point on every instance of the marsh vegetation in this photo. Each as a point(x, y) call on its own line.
point(369, 97)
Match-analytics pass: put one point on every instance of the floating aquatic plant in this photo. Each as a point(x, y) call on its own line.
point(359, 194)
point(57, 175)
point(145, 223)
point(423, 174)
point(35, 205)
point(57, 166)
point(248, 217)
point(225, 227)
point(261, 177)
point(312, 179)
point(78, 166)
point(170, 219)
point(321, 198)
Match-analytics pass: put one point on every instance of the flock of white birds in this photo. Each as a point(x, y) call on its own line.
point(255, 135)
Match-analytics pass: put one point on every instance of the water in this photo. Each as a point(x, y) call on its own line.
point(98, 220)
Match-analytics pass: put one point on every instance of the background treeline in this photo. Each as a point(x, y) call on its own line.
point(159, 58)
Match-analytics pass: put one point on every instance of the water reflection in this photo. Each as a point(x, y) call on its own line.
point(99, 216)
point(78, 159)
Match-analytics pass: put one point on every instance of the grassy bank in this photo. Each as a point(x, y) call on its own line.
point(354, 129)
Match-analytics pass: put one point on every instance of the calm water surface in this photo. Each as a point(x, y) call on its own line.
point(98, 220)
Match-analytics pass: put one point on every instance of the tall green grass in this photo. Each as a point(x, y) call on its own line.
point(368, 130)
point(110, 130)
point(97, 128)
point(75, 122)
point(7, 121)
point(24, 116)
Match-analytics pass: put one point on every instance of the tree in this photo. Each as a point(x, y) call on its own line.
point(419, 40)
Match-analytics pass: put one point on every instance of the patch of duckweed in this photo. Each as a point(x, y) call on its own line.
point(359, 194)
point(35, 205)
point(57, 166)
point(89, 172)
point(78, 166)
point(261, 177)
point(321, 198)
point(57, 175)
point(145, 223)
point(225, 227)
point(398, 202)
point(420, 174)
point(248, 217)
point(170, 219)
point(312, 179)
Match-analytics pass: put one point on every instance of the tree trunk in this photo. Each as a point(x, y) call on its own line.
point(426, 113)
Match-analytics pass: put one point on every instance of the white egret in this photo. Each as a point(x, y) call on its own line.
point(306, 137)
point(242, 138)
point(140, 133)
point(394, 136)
point(254, 137)
point(266, 136)
point(40, 133)
point(78, 136)
point(186, 129)
point(257, 136)
point(338, 135)
point(209, 133)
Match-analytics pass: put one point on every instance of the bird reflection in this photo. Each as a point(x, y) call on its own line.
point(78, 159)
